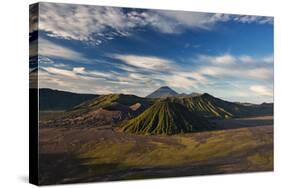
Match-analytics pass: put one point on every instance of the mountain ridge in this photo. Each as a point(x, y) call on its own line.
point(103, 110)
point(53, 100)
point(166, 118)
point(116, 109)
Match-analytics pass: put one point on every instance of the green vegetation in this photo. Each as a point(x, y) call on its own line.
point(105, 101)
point(168, 115)
point(177, 150)
point(212, 107)
point(68, 155)
point(112, 140)
point(261, 160)
point(165, 117)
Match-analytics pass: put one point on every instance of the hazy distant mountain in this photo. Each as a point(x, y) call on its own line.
point(166, 91)
point(166, 117)
point(162, 92)
point(53, 100)
point(193, 94)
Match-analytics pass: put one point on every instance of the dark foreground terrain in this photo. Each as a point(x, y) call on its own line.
point(71, 155)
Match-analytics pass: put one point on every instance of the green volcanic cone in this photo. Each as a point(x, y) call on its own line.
point(165, 117)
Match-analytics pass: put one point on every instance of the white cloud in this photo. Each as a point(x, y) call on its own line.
point(51, 49)
point(179, 81)
point(238, 72)
point(253, 19)
point(81, 80)
point(259, 73)
point(258, 60)
point(150, 72)
point(79, 22)
point(59, 79)
point(79, 70)
point(146, 62)
point(261, 90)
point(225, 59)
point(220, 60)
point(247, 59)
point(61, 72)
point(98, 23)
point(238, 67)
point(268, 59)
point(176, 20)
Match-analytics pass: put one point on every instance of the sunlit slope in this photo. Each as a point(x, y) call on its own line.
point(212, 107)
point(109, 101)
point(165, 117)
point(103, 110)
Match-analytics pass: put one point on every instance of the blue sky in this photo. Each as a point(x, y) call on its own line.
point(91, 49)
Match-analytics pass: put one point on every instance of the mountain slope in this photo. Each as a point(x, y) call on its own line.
point(162, 92)
point(212, 107)
point(53, 100)
point(165, 117)
point(103, 110)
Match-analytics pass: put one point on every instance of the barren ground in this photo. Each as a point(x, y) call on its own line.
point(69, 155)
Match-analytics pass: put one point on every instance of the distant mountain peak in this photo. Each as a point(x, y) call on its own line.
point(163, 91)
point(165, 87)
point(206, 95)
point(195, 93)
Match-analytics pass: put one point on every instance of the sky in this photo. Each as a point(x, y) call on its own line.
point(102, 50)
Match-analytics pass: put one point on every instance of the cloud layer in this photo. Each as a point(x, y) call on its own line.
point(147, 49)
point(53, 50)
point(97, 24)
point(138, 72)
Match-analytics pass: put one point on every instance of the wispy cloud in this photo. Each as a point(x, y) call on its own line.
point(179, 81)
point(235, 67)
point(53, 50)
point(262, 90)
point(220, 60)
point(61, 72)
point(97, 24)
point(82, 80)
point(138, 72)
point(238, 73)
point(249, 59)
point(253, 19)
point(146, 62)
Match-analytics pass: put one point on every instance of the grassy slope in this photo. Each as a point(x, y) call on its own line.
point(106, 100)
point(213, 107)
point(165, 117)
point(241, 149)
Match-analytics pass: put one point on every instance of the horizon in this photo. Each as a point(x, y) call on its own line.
point(201, 93)
point(102, 50)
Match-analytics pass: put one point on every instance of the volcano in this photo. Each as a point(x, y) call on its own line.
point(162, 92)
point(166, 118)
